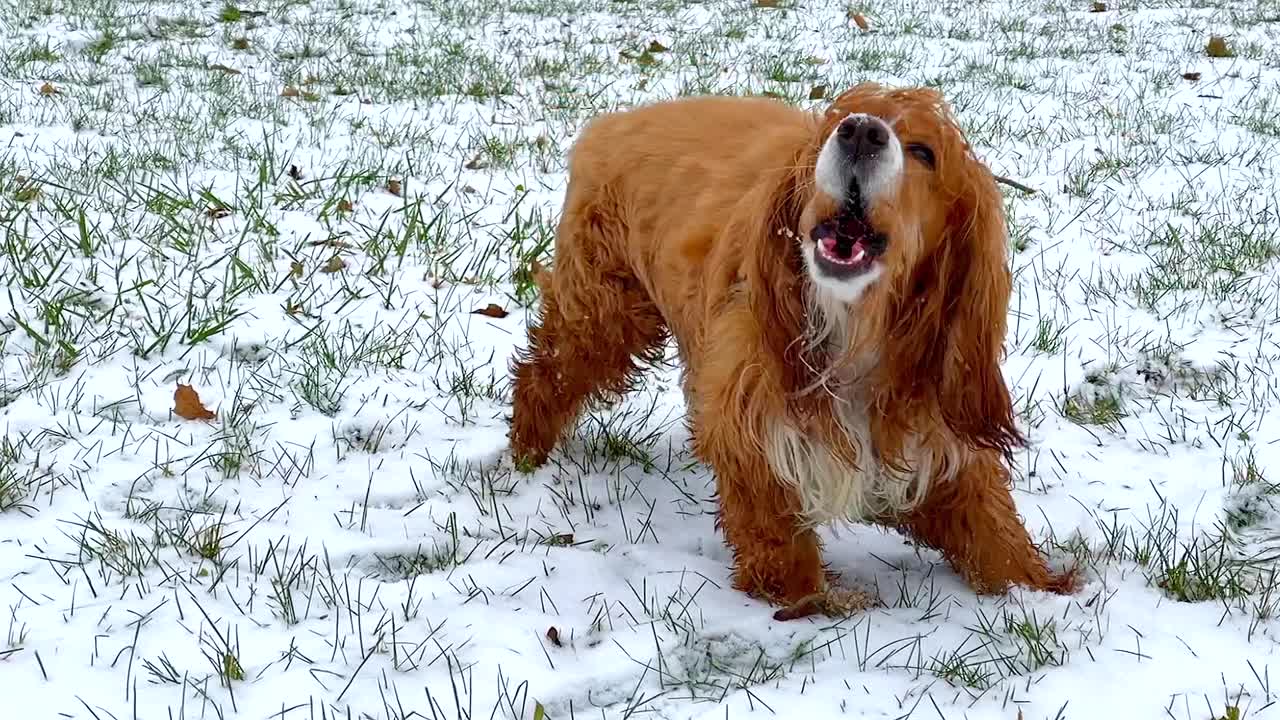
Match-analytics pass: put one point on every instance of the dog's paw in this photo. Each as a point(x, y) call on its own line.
point(832, 602)
point(1066, 583)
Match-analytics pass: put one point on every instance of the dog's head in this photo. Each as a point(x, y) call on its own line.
point(901, 238)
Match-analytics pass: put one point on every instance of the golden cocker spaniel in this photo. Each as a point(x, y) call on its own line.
point(837, 286)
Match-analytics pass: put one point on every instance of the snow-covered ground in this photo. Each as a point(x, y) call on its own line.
point(296, 208)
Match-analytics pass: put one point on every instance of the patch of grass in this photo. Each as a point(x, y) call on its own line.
point(1049, 337)
point(30, 54)
point(1202, 570)
point(17, 487)
point(1103, 408)
point(418, 563)
point(1253, 494)
point(1015, 642)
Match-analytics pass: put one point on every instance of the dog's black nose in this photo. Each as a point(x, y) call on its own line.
point(862, 136)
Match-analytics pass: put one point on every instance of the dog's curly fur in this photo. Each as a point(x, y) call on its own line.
point(688, 218)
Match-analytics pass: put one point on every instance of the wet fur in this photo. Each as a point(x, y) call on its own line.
point(891, 409)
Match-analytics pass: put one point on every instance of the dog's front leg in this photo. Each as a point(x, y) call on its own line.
point(735, 395)
point(972, 520)
point(776, 558)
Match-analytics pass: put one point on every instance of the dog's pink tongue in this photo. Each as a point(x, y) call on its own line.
point(830, 247)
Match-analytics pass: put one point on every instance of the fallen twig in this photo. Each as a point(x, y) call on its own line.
point(1015, 184)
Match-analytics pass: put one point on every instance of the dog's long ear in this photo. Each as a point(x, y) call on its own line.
point(772, 270)
point(974, 397)
point(947, 325)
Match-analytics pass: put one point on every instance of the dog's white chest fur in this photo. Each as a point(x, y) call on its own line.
point(830, 489)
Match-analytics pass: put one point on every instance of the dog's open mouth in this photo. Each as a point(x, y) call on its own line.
point(846, 244)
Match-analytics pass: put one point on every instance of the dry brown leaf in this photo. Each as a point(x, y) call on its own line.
point(1098, 7)
point(554, 636)
point(394, 187)
point(1192, 76)
point(817, 92)
point(187, 405)
point(295, 269)
point(217, 212)
point(290, 91)
point(48, 89)
point(223, 68)
point(344, 205)
point(491, 310)
point(657, 47)
point(334, 265)
point(1218, 48)
point(295, 172)
point(767, 3)
point(860, 20)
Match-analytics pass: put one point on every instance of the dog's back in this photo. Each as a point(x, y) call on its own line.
point(657, 184)
point(699, 146)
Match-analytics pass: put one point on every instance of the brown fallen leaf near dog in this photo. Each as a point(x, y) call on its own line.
point(187, 405)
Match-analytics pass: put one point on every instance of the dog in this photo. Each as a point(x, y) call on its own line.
point(837, 286)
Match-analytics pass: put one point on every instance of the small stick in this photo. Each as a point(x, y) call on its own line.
point(1015, 184)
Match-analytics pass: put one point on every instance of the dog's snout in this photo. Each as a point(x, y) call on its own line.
point(860, 160)
point(861, 136)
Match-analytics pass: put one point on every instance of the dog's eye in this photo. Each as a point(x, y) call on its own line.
point(923, 153)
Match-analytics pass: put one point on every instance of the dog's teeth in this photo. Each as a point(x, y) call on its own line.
point(858, 256)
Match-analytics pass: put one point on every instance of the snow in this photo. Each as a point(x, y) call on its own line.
point(348, 538)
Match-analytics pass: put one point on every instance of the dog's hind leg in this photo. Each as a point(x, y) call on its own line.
point(596, 322)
